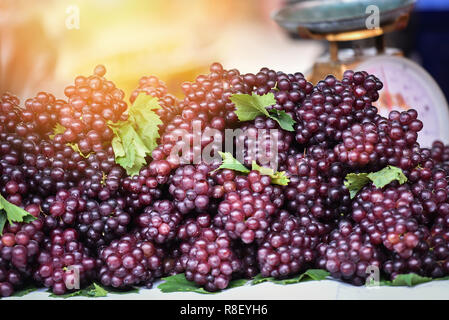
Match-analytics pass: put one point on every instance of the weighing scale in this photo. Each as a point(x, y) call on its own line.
point(406, 84)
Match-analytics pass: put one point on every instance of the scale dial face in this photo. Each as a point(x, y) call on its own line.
point(409, 86)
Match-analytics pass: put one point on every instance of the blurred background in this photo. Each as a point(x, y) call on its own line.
point(44, 44)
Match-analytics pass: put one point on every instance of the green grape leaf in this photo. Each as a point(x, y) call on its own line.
point(129, 149)
point(285, 121)
point(229, 162)
point(248, 107)
point(277, 177)
point(96, 291)
point(145, 120)
point(13, 213)
point(137, 137)
point(407, 280)
point(179, 283)
point(309, 275)
point(145, 102)
point(387, 175)
point(57, 129)
point(355, 182)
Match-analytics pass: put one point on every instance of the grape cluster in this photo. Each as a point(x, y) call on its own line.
point(331, 107)
point(191, 188)
point(129, 261)
point(348, 255)
point(290, 246)
point(207, 255)
point(100, 223)
point(64, 262)
point(92, 102)
point(160, 222)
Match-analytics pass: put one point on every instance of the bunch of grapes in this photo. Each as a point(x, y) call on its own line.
point(347, 254)
point(129, 261)
point(64, 262)
point(206, 254)
point(93, 101)
point(332, 105)
point(290, 246)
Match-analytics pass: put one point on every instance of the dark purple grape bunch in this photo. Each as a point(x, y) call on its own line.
point(390, 217)
point(290, 246)
point(40, 115)
point(64, 263)
point(20, 244)
point(210, 93)
point(332, 105)
point(9, 113)
point(246, 214)
point(191, 187)
point(129, 262)
point(143, 189)
point(92, 102)
point(206, 254)
point(160, 222)
point(431, 189)
point(430, 258)
point(348, 254)
point(62, 209)
point(100, 223)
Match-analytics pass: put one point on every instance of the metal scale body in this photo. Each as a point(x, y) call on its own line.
point(406, 84)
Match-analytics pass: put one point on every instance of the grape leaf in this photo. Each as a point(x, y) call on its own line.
point(311, 274)
point(129, 149)
point(145, 102)
point(13, 213)
point(277, 177)
point(137, 137)
point(57, 129)
point(179, 283)
point(229, 162)
point(248, 107)
point(355, 182)
point(408, 280)
point(145, 120)
point(97, 291)
point(285, 121)
point(387, 175)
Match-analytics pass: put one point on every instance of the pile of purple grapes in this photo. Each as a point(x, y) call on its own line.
point(123, 231)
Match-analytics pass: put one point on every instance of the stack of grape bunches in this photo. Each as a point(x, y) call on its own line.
point(67, 199)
